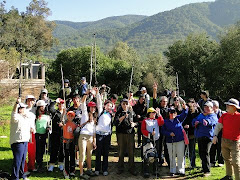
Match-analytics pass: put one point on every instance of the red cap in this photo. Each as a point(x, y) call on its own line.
point(92, 104)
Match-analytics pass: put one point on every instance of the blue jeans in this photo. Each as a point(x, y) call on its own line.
point(19, 156)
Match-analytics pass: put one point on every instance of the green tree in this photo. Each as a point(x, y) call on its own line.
point(190, 59)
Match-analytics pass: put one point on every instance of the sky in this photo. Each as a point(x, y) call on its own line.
point(92, 10)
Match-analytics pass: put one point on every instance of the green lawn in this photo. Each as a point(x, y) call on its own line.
point(6, 159)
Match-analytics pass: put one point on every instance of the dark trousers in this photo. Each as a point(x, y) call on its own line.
point(69, 157)
point(146, 163)
point(19, 155)
point(56, 148)
point(204, 145)
point(192, 151)
point(103, 144)
point(126, 142)
point(162, 143)
point(215, 151)
point(40, 147)
point(139, 133)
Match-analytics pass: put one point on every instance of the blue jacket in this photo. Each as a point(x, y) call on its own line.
point(202, 130)
point(175, 127)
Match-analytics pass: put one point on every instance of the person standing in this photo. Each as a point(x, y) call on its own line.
point(204, 98)
point(204, 125)
point(229, 123)
point(20, 131)
point(125, 136)
point(147, 97)
point(67, 91)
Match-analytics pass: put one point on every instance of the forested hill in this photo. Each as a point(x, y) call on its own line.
point(149, 34)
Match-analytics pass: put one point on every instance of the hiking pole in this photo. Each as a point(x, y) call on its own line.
point(177, 84)
point(95, 59)
point(91, 70)
point(154, 144)
point(130, 85)
point(172, 155)
point(20, 77)
point(49, 132)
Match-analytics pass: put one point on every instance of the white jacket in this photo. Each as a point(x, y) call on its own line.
point(20, 128)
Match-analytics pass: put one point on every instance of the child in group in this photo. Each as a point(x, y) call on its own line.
point(69, 146)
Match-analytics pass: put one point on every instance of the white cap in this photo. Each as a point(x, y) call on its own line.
point(44, 91)
point(143, 89)
point(30, 97)
point(209, 104)
point(215, 103)
point(41, 103)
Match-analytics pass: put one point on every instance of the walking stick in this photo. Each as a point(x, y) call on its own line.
point(91, 70)
point(49, 132)
point(172, 153)
point(95, 59)
point(130, 85)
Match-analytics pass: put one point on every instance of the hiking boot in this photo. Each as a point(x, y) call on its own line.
point(90, 173)
point(84, 176)
point(66, 175)
point(27, 173)
point(50, 169)
point(105, 173)
point(72, 174)
point(220, 165)
point(227, 178)
point(206, 174)
point(96, 173)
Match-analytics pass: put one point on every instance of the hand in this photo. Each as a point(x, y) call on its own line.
point(215, 140)
point(196, 123)
point(88, 91)
point(205, 123)
point(94, 145)
point(138, 116)
point(133, 124)
point(153, 133)
point(158, 111)
point(60, 124)
point(126, 116)
point(186, 126)
point(172, 134)
point(96, 89)
point(155, 85)
point(184, 106)
point(76, 148)
point(18, 100)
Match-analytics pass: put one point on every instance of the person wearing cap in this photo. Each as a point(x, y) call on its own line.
point(125, 136)
point(215, 151)
point(150, 125)
point(103, 135)
point(204, 98)
point(31, 111)
point(229, 123)
point(163, 106)
point(82, 88)
point(87, 138)
point(67, 91)
point(20, 131)
point(147, 97)
point(174, 133)
point(69, 146)
point(43, 122)
point(44, 96)
point(204, 125)
point(56, 135)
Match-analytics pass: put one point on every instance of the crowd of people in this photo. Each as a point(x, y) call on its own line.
point(80, 121)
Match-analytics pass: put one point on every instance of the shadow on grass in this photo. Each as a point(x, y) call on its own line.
point(5, 149)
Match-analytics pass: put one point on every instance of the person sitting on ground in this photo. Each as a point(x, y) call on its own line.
point(174, 133)
point(229, 123)
point(150, 125)
point(20, 131)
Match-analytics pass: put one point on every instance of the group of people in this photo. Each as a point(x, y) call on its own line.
point(81, 120)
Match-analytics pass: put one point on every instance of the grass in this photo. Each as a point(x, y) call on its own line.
point(6, 159)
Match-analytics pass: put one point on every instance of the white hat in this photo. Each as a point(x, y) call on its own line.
point(30, 97)
point(22, 105)
point(44, 91)
point(215, 103)
point(233, 102)
point(143, 89)
point(41, 103)
point(209, 104)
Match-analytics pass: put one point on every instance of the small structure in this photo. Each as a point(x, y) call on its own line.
point(32, 78)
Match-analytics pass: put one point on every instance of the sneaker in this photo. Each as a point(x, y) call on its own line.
point(27, 173)
point(97, 173)
point(212, 165)
point(139, 146)
point(90, 173)
point(61, 167)
point(220, 165)
point(26, 178)
point(72, 174)
point(227, 178)
point(105, 173)
point(34, 170)
point(206, 174)
point(66, 175)
point(50, 169)
point(84, 176)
